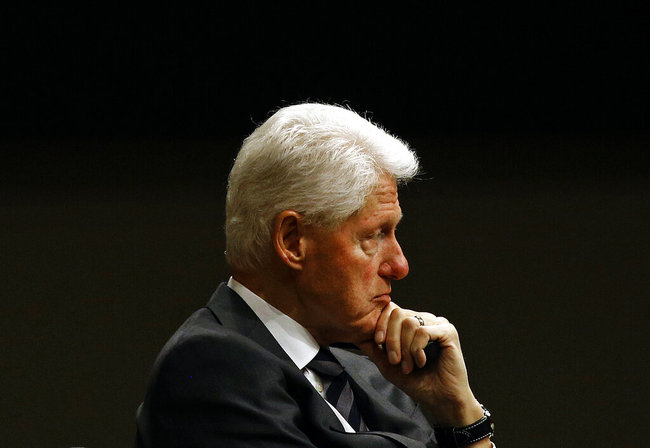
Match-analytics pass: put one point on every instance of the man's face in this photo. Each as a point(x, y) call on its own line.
point(346, 278)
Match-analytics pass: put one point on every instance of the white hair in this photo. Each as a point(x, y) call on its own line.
point(321, 161)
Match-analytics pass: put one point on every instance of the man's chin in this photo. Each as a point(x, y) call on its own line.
point(360, 332)
point(365, 332)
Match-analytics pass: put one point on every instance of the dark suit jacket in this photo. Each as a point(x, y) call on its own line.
point(222, 380)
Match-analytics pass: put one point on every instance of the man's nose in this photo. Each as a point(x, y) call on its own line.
point(396, 266)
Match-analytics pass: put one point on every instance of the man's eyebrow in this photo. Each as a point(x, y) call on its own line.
point(399, 219)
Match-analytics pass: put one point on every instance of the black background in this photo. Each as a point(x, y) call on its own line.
point(528, 228)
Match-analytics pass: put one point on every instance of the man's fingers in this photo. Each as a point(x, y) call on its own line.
point(415, 338)
point(420, 342)
point(382, 324)
point(409, 327)
point(429, 340)
point(439, 320)
point(394, 335)
point(404, 338)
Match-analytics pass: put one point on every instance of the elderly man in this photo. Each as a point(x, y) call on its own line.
point(303, 346)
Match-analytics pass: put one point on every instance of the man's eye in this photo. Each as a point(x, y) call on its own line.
point(377, 235)
point(370, 242)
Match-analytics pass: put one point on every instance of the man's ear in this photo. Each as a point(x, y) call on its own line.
point(288, 240)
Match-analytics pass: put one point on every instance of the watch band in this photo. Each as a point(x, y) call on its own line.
point(456, 437)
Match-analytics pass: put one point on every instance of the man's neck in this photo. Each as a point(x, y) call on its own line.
point(274, 292)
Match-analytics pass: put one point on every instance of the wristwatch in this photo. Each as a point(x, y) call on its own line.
point(456, 437)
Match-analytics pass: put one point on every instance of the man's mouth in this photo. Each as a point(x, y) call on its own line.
point(383, 298)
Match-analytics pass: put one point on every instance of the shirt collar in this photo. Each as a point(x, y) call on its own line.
point(294, 339)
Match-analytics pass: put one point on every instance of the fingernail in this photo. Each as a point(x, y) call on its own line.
point(379, 337)
point(392, 357)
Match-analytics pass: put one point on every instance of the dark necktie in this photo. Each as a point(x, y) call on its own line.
point(337, 387)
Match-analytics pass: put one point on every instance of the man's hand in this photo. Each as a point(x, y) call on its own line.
point(439, 385)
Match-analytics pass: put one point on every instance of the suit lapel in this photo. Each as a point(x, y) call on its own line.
point(233, 313)
point(383, 406)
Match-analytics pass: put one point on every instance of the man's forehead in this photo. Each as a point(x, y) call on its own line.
point(384, 193)
point(384, 199)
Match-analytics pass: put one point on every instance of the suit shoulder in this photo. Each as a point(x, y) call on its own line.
point(202, 349)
